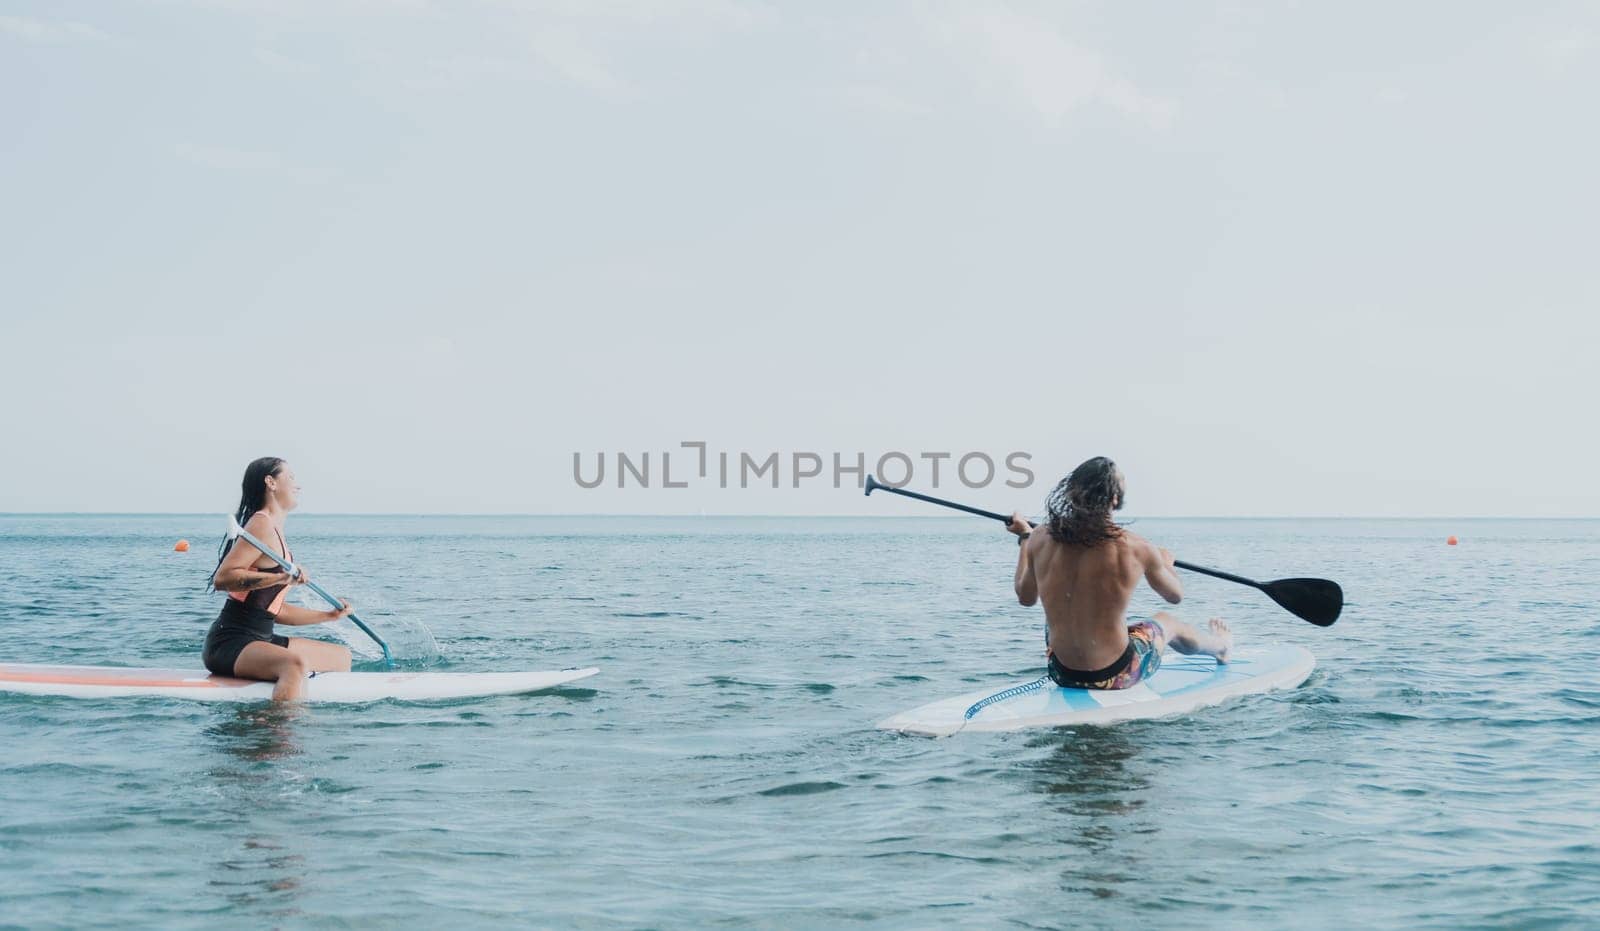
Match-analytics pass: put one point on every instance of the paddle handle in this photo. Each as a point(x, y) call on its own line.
point(290, 568)
point(875, 485)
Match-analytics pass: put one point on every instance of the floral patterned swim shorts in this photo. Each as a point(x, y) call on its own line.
point(1146, 640)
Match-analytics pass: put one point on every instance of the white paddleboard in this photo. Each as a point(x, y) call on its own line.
point(1182, 684)
point(197, 684)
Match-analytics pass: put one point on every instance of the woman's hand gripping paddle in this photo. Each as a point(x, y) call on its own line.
point(1316, 600)
point(234, 530)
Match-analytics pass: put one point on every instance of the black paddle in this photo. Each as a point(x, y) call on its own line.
point(1316, 600)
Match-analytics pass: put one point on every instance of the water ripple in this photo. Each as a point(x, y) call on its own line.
point(723, 770)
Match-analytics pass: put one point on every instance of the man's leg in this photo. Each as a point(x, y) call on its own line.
point(1216, 640)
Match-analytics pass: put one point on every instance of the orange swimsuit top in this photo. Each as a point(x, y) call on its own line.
point(270, 598)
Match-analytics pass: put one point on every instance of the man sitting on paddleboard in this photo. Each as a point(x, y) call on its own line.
point(1085, 570)
point(241, 642)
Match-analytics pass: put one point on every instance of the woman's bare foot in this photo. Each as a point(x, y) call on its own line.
point(1221, 639)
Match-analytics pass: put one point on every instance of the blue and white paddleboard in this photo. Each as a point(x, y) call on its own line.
point(1183, 683)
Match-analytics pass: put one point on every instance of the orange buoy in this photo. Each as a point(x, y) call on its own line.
point(182, 546)
point(1450, 542)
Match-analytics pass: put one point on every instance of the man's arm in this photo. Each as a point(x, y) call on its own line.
point(1027, 587)
point(1159, 573)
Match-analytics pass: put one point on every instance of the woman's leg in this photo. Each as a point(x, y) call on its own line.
point(321, 655)
point(272, 663)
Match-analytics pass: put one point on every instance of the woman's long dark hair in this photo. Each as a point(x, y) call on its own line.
point(252, 498)
point(1080, 506)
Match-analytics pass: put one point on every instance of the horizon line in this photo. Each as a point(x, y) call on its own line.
point(801, 516)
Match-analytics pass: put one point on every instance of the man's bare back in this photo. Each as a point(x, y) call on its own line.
point(1085, 569)
point(1086, 590)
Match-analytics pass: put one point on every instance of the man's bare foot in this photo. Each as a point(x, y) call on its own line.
point(1221, 639)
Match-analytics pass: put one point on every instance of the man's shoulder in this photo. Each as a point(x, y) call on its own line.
point(1135, 544)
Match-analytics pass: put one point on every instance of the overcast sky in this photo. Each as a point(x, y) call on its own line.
point(1274, 258)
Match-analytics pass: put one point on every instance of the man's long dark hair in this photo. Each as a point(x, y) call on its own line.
point(252, 498)
point(1080, 507)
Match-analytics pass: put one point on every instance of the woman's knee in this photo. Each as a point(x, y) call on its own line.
point(269, 662)
point(321, 656)
point(293, 665)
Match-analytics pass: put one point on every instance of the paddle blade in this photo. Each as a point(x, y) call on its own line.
point(1316, 600)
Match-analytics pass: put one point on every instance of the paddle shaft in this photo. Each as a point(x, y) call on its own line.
point(1218, 574)
point(289, 567)
point(879, 486)
point(874, 485)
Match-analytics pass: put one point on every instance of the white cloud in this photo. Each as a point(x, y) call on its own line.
point(1564, 51)
point(228, 159)
point(307, 9)
point(564, 51)
point(448, 74)
point(42, 31)
point(1036, 64)
point(730, 14)
point(883, 99)
point(583, 41)
point(283, 63)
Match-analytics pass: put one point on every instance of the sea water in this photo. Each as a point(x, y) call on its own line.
point(1440, 768)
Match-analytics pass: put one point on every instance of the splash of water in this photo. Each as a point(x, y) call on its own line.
point(410, 642)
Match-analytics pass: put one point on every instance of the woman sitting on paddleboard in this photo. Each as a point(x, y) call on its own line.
point(1085, 570)
point(241, 642)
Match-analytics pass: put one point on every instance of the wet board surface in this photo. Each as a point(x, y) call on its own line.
point(199, 685)
point(1182, 684)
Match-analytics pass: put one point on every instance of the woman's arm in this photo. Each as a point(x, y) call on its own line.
point(247, 580)
point(296, 616)
point(237, 572)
